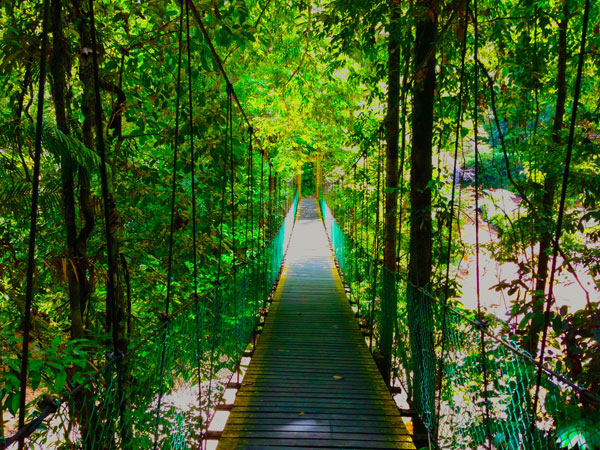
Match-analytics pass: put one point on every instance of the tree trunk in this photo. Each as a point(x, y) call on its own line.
point(419, 304)
point(116, 304)
point(19, 114)
point(388, 301)
point(550, 183)
point(76, 276)
point(76, 273)
point(87, 108)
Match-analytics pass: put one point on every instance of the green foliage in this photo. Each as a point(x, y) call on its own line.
point(311, 77)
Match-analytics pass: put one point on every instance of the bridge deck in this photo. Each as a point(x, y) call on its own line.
point(312, 382)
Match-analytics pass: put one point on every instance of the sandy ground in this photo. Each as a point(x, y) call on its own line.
point(567, 291)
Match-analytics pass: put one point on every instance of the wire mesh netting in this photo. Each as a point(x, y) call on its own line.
point(476, 390)
point(163, 392)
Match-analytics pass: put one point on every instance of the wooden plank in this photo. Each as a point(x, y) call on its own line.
point(314, 435)
point(312, 382)
point(286, 417)
point(370, 428)
point(367, 421)
point(267, 392)
point(260, 443)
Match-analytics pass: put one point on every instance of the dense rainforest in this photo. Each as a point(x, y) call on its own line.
point(161, 144)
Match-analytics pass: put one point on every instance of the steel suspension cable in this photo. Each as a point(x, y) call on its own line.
point(376, 237)
point(250, 232)
point(231, 173)
point(251, 153)
point(218, 291)
point(219, 63)
point(270, 209)
point(401, 178)
point(279, 199)
point(262, 231)
point(561, 208)
point(262, 205)
point(477, 264)
point(165, 316)
point(457, 139)
point(508, 345)
point(363, 202)
point(249, 208)
point(222, 213)
point(35, 192)
point(194, 239)
point(355, 221)
point(229, 138)
point(119, 347)
point(365, 245)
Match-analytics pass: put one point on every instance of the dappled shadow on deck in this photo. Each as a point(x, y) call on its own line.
point(312, 382)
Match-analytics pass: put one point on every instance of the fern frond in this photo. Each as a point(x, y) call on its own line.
point(59, 144)
point(15, 197)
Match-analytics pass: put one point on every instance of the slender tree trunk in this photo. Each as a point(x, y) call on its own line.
point(19, 114)
point(77, 280)
point(550, 183)
point(76, 277)
point(116, 304)
point(419, 304)
point(388, 301)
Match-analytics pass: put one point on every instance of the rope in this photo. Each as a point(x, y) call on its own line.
point(452, 199)
point(35, 192)
point(165, 317)
point(194, 239)
point(561, 208)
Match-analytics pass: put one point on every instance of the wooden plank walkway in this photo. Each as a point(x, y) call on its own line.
point(312, 382)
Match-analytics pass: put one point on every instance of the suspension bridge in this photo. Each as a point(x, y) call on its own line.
point(312, 381)
point(289, 337)
point(283, 342)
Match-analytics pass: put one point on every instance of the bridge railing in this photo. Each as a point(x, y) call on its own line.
point(477, 389)
point(145, 400)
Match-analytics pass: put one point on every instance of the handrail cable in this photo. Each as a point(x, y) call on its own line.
point(483, 324)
